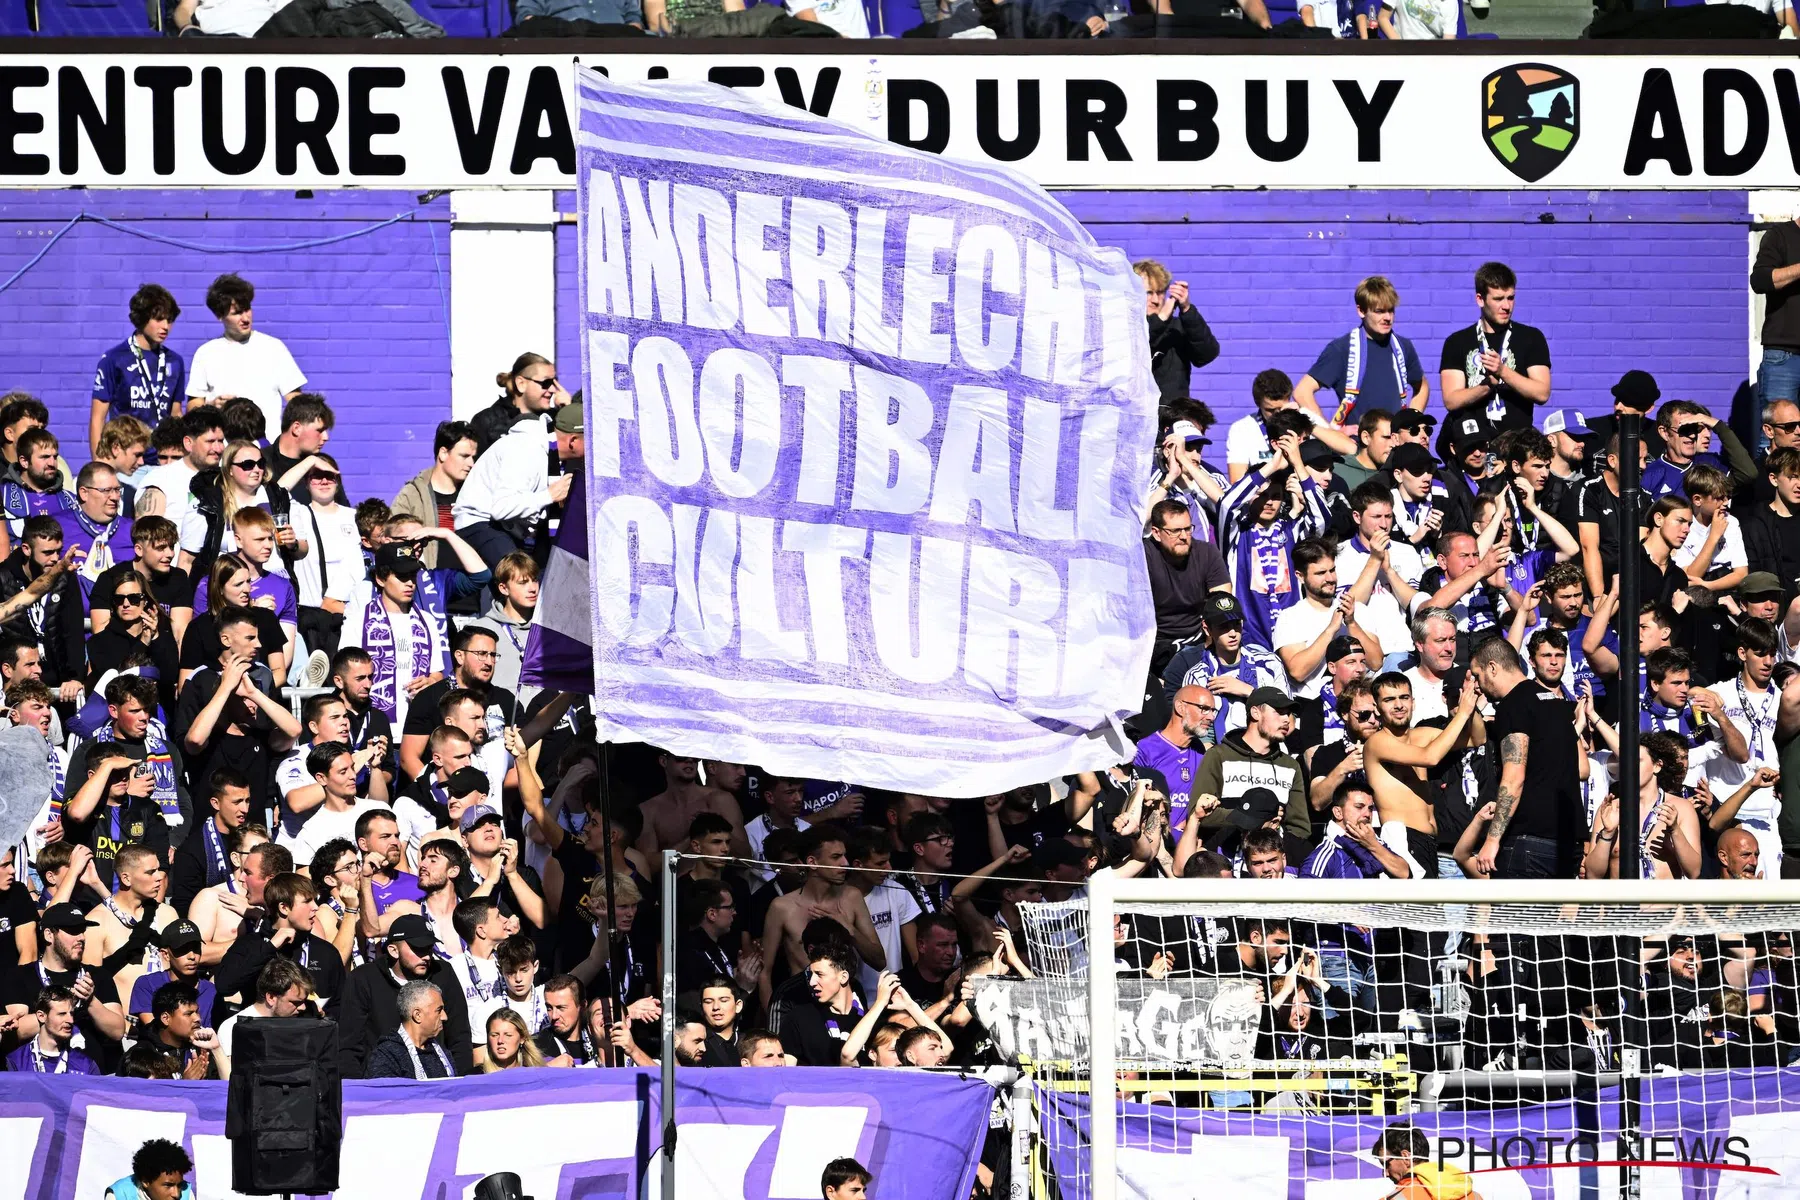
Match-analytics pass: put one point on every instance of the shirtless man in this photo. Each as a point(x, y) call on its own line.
point(824, 894)
point(219, 909)
point(668, 815)
point(132, 916)
point(1395, 757)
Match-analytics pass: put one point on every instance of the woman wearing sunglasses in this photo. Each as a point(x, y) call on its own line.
point(325, 577)
point(136, 624)
point(206, 531)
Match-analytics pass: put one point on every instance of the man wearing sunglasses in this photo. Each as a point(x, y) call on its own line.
point(1780, 429)
point(1683, 426)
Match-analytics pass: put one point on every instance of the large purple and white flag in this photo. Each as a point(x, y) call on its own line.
point(866, 434)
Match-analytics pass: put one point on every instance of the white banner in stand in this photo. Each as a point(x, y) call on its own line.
point(1330, 116)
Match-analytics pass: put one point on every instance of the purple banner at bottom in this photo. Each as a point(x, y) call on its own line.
point(746, 1134)
point(1718, 1135)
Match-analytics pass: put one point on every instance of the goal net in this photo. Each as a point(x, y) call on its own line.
point(1330, 1040)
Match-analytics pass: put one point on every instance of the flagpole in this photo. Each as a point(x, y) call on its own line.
point(606, 874)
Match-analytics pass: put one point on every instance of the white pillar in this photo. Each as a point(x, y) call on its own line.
point(502, 288)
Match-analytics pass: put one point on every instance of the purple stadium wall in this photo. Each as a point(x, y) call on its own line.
point(1617, 280)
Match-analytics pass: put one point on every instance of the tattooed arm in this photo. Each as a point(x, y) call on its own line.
point(1513, 749)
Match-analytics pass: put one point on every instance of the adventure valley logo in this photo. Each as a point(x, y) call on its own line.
point(1531, 117)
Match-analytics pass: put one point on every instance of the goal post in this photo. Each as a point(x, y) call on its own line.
point(1631, 921)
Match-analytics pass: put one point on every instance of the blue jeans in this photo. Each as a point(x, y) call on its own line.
point(1779, 376)
point(1343, 975)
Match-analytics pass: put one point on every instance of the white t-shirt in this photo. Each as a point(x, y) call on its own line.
point(260, 366)
point(334, 542)
point(757, 832)
point(1300, 625)
point(1247, 442)
point(483, 991)
point(1729, 553)
point(845, 16)
point(890, 907)
point(322, 825)
point(1428, 697)
point(1416, 20)
point(1382, 615)
point(240, 17)
point(415, 822)
point(172, 480)
point(1758, 727)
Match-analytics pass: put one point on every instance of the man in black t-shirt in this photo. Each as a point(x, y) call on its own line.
point(157, 542)
point(815, 1033)
point(114, 807)
point(1539, 818)
point(474, 650)
point(231, 712)
point(99, 1016)
point(1182, 571)
point(1597, 507)
point(1496, 365)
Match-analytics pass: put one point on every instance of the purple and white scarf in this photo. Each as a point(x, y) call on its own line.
point(378, 640)
point(161, 763)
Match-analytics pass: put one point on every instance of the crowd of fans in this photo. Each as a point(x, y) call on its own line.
point(289, 765)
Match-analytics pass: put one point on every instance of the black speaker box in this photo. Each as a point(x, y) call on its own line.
point(284, 1112)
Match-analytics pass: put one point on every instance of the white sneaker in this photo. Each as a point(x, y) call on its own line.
point(1479, 9)
point(318, 669)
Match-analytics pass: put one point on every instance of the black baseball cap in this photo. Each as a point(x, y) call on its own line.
point(1255, 808)
point(1342, 646)
point(178, 935)
point(414, 930)
point(1221, 608)
point(1315, 453)
point(1412, 458)
point(465, 781)
point(66, 917)
point(1268, 697)
point(1637, 389)
point(1470, 432)
point(396, 558)
point(1409, 419)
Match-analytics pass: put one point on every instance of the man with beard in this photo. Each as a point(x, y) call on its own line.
point(474, 651)
point(670, 813)
point(38, 489)
point(1181, 574)
point(1223, 664)
point(353, 675)
point(165, 490)
point(1395, 758)
point(1248, 769)
point(52, 620)
point(1307, 628)
point(369, 1010)
point(1177, 748)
